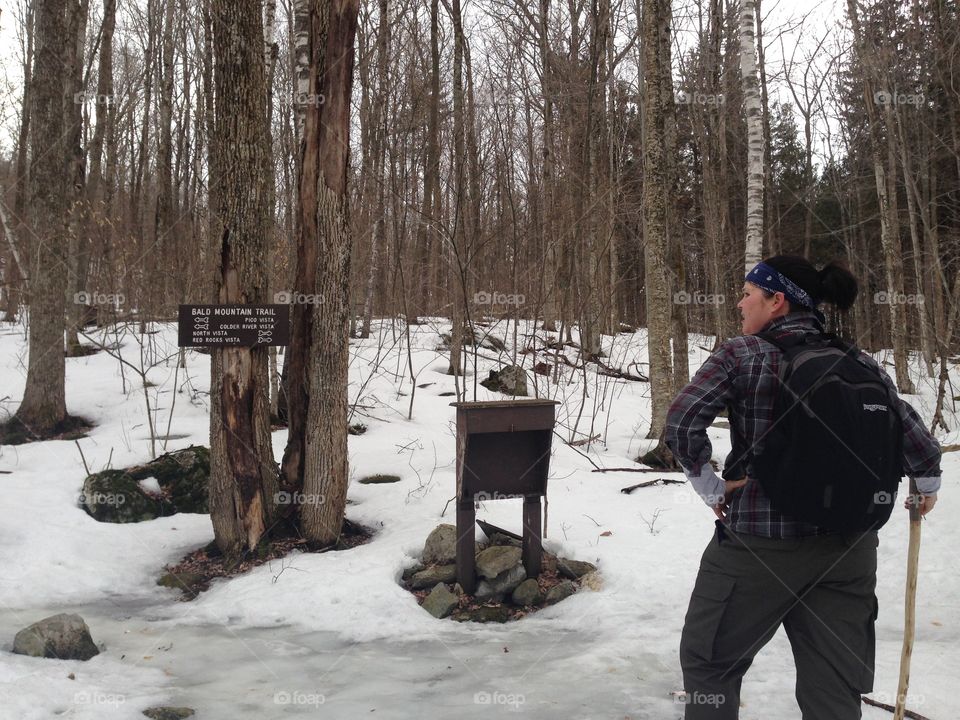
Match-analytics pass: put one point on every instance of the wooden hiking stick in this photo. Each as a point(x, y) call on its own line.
point(910, 604)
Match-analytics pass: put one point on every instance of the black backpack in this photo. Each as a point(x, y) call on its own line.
point(833, 454)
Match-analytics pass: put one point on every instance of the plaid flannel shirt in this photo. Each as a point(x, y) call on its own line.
point(742, 377)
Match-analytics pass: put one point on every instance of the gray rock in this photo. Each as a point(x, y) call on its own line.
point(574, 569)
point(501, 539)
point(433, 575)
point(527, 593)
point(496, 559)
point(441, 546)
point(511, 380)
point(184, 476)
point(560, 592)
point(63, 636)
point(409, 572)
point(501, 585)
point(117, 496)
point(440, 602)
point(168, 713)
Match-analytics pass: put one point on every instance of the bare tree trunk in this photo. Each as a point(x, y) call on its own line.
point(461, 201)
point(295, 394)
point(105, 115)
point(43, 408)
point(301, 69)
point(243, 475)
point(772, 245)
point(680, 320)
point(548, 238)
point(209, 121)
point(379, 180)
point(323, 201)
point(269, 45)
point(137, 202)
point(75, 99)
point(711, 139)
point(17, 273)
point(163, 218)
point(656, 23)
point(270, 180)
point(754, 113)
point(293, 375)
point(889, 240)
point(97, 223)
point(429, 211)
point(23, 138)
point(588, 273)
point(17, 278)
point(926, 342)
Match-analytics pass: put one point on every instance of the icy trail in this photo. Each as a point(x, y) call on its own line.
point(334, 635)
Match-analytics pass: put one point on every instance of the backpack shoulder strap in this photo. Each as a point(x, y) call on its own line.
point(838, 342)
point(784, 341)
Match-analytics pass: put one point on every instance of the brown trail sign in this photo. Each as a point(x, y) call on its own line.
point(235, 325)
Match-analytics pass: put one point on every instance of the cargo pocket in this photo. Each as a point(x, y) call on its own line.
point(708, 603)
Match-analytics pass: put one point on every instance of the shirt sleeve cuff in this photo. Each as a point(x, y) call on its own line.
point(927, 485)
point(708, 484)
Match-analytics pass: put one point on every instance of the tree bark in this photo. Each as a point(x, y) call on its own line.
point(23, 138)
point(430, 202)
point(772, 246)
point(378, 135)
point(754, 113)
point(318, 446)
point(461, 201)
point(243, 475)
point(656, 23)
point(16, 279)
point(137, 203)
point(75, 99)
point(301, 64)
point(548, 237)
point(43, 408)
point(926, 342)
point(164, 215)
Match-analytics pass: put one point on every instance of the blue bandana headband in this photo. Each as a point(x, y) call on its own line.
point(765, 277)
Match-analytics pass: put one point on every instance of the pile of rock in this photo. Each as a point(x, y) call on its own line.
point(503, 590)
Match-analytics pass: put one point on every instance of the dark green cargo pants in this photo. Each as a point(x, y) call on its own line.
point(820, 588)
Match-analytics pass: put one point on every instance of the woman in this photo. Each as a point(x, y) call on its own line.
point(765, 568)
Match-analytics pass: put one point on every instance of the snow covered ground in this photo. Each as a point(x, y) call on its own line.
point(334, 635)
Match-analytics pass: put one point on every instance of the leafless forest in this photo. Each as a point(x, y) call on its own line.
point(596, 166)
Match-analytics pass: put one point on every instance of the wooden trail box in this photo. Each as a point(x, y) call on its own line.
point(503, 451)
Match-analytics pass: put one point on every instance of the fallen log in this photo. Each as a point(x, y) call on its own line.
point(648, 483)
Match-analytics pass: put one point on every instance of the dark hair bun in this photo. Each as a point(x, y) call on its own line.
point(837, 285)
point(833, 284)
